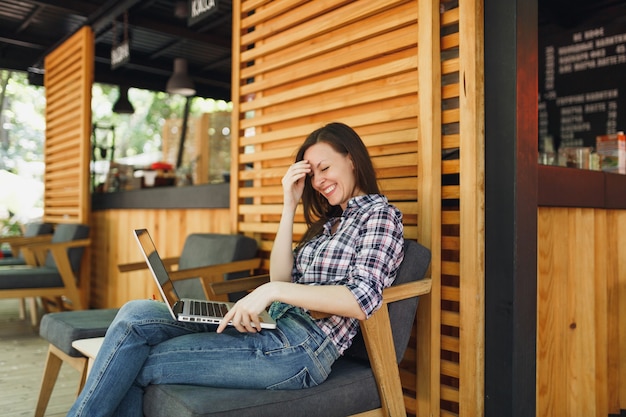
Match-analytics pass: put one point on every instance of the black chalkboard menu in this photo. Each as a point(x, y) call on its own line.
point(582, 84)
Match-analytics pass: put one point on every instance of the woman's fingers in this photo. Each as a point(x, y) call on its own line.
point(240, 320)
point(296, 172)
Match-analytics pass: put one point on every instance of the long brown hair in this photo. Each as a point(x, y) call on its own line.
point(346, 141)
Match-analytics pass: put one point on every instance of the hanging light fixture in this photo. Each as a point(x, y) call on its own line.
point(180, 82)
point(123, 105)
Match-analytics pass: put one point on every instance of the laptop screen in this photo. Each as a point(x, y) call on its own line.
point(156, 264)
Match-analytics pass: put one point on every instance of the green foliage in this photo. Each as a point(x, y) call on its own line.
point(10, 226)
point(21, 120)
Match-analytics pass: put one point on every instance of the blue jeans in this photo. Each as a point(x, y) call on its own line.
point(144, 346)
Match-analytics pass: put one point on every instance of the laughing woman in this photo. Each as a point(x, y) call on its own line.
point(317, 293)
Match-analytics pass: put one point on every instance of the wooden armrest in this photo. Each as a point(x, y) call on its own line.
point(17, 242)
point(239, 284)
point(64, 245)
point(407, 290)
point(23, 240)
point(382, 355)
point(136, 266)
point(381, 350)
point(215, 273)
point(215, 270)
point(35, 254)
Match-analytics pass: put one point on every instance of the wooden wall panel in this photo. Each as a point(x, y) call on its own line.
point(68, 80)
point(581, 290)
point(390, 69)
point(299, 65)
point(303, 64)
point(113, 244)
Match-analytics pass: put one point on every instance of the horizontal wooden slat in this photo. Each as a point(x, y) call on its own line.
point(449, 318)
point(314, 28)
point(269, 12)
point(450, 293)
point(450, 268)
point(358, 77)
point(450, 17)
point(449, 368)
point(450, 192)
point(334, 60)
point(450, 343)
point(450, 41)
point(450, 217)
point(449, 394)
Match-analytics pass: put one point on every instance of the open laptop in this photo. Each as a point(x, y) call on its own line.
point(185, 309)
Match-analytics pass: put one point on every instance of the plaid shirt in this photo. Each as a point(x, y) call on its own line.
point(364, 254)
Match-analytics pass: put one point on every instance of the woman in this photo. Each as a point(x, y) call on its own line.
point(317, 292)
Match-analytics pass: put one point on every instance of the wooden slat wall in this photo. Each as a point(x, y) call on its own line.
point(301, 64)
point(581, 299)
point(68, 80)
point(309, 63)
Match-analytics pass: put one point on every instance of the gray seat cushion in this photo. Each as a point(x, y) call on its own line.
point(205, 249)
point(46, 276)
point(61, 329)
point(23, 276)
point(349, 389)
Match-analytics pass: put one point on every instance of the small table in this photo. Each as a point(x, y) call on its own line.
point(89, 348)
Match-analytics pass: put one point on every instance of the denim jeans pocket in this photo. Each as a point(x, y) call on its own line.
point(299, 381)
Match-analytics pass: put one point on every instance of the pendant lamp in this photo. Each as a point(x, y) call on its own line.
point(180, 82)
point(123, 105)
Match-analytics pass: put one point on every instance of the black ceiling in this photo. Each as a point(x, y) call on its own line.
point(158, 33)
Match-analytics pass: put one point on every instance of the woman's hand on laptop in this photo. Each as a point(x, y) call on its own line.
point(244, 315)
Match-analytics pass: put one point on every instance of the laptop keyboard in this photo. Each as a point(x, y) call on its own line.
point(208, 308)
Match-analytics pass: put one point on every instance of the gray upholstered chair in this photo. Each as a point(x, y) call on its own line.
point(207, 258)
point(35, 232)
point(365, 378)
point(58, 274)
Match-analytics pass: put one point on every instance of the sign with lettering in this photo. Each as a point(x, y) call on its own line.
point(120, 54)
point(582, 84)
point(200, 9)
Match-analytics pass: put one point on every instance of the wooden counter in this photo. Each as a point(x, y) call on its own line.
point(581, 293)
point(569, 187)
point(170, 213)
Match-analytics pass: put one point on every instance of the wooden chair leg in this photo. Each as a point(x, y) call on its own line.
point(50, 374)
point(34, 311)
point(54, 360)
point(22, 308)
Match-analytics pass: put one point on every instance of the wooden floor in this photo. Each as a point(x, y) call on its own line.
point(22, 358)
